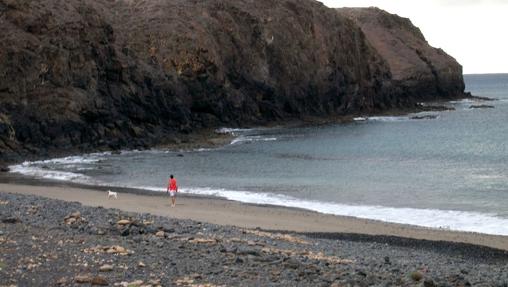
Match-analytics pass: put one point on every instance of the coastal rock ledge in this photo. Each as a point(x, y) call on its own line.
point(91, 75)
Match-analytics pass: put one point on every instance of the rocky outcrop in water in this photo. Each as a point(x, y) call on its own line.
point(88, 75)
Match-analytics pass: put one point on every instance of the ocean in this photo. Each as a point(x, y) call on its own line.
point(447, 171)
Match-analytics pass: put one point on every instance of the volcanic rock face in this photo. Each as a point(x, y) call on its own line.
point(418, 70)
point(83, 75)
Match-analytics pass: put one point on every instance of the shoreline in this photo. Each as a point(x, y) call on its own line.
point(209, 138)
point(307, 221)
point(243, 215)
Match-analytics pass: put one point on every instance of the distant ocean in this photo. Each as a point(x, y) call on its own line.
point(449, 172)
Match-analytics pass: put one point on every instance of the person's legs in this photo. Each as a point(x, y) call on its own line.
point(173, 198)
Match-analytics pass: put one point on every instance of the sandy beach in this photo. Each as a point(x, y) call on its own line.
point(224, 212)
point(74, 236)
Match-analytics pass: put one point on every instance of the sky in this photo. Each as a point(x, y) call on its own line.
point(474, 32)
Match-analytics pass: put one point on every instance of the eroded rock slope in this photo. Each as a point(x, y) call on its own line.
point(87, 75)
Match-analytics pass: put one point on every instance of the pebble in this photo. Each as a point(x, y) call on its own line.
point(292, 263)
point(83, 279)
point(106, 268)
point(416, 276)
point(212, 255)
point(11, 220)
point(429, 283)
point(100, 281)
point(125, 232)
point(136, 283)
point(387, 260)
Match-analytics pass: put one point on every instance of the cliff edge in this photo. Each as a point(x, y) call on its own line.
point(79, 76)
point(418, 70)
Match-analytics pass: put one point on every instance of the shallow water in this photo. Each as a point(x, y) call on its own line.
point(448, 172)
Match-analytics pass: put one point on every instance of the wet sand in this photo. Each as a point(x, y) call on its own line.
point(224, 212)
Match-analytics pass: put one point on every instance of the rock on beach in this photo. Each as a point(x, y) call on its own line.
point(200, 254)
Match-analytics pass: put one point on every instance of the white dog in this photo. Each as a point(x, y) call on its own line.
point(112, 194)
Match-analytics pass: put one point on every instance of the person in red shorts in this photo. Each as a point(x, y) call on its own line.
point(172, 190)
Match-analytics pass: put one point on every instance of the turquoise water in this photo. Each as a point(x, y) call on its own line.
point(448, 172)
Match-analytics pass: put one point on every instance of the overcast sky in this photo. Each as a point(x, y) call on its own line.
point(475, 32)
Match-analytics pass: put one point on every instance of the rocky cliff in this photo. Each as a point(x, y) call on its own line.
point(85, 75)
point(417, 69)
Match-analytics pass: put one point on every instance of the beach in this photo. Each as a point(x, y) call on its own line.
point(411, 169)
point(225, 212)
point(314, 144)
point(67, 236)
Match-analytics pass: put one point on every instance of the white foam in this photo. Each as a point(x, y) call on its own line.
point(397, 118)
point(144, 151)
point(389, 119)
point(70, 160)
point(246, 139)
point(464, 101)
point(431, 218)
point(45, 169)
point(231, 130)
point(42, 173)
point(242, 135)
point(203, 149)
point(487, 176)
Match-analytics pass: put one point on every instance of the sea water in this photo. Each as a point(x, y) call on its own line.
point(449, 171)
